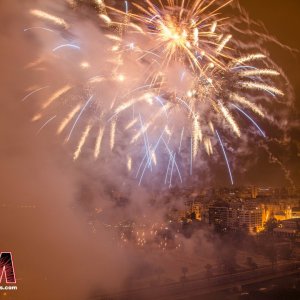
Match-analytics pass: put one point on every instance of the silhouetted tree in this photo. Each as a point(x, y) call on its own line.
point(251, 263)
point(271, 253)
point(193, 216)
point(270, 225)
point(159, 271)
point(229, 259)
point(184, 271)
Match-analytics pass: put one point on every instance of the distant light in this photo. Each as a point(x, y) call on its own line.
point(121, 77)
point(85, 65)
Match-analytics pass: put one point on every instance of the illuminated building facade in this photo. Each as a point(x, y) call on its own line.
point(226, 216)
point(289, 228)
point(251, 219)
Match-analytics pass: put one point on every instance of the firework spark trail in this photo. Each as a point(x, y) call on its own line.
point(38, 27)
point(78, 117)
point(223, 43)
point(146, 127)
point(191, 159)
point(154, 158)
point(208, 146)
point(124, 106)
point(66, 46)
point(162, 104)
point(258, 72)
point(129, 163)
point(139, 168)
point(260, 86)
point(250, 57)
point(113, 134)
point(131, 124)
point(167, 172)
point(56, 96)
point(133, 112)
point(170, 153)
point(187, 106)
point(33, 92)
point(171, 175)
point(36, 117)
point(98, 142)
point(197, 135)
point(228, 117)
point(273, 159)
point(225, 156)
point(244, 101)
point(44, 15)
point(252, 121)
point(243, 67)
point(82, 141)
point(67, 119)
point(96, 79)
point(181, 137)
point(147, 164)
point(45, 124)
point(126, 7)
point(147, 147)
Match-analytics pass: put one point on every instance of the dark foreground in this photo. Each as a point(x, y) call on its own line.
point(281, 282)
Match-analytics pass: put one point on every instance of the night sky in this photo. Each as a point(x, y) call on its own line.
point(281, 19)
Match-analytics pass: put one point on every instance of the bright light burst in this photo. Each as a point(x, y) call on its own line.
point(172, 77)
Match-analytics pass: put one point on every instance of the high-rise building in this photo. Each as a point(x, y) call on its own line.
point(218, 214)
point(254, 192)
point(290, 228)
point(194, 206)
point(251, 219)
point(233, 216)
point(296, 212)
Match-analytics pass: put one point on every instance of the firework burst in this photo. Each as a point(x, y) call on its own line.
point(170, 78)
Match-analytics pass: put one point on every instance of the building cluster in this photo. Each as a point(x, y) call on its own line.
point(288, 228)
point(234, 216)
point(242, 208)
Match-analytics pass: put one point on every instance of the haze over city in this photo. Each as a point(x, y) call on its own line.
point(150, 149)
